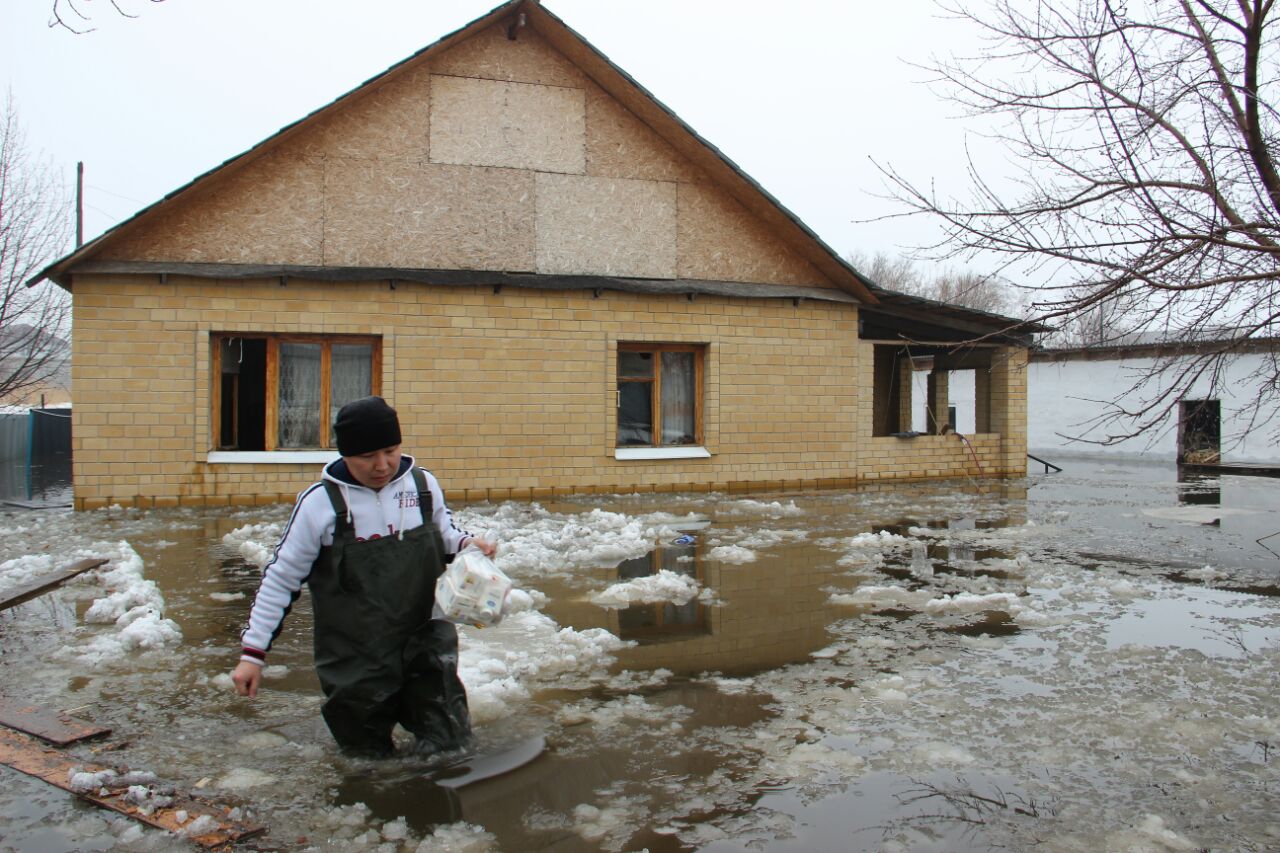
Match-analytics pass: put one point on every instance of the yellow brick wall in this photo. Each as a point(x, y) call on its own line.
point(502, 395)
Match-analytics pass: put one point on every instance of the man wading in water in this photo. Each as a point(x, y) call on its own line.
point(369, 539)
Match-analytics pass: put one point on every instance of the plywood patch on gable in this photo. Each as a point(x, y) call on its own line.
point(491, 55)
point(619, 145)
point(390, 122)
point(720, 240)
point(605, 226)
point(512, 125)
point(424, 216)
point(268, 211)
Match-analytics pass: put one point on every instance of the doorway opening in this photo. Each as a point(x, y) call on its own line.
point(1199, 432)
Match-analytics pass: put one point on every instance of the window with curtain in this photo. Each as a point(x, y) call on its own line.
point(282, 392)
point(659, 395)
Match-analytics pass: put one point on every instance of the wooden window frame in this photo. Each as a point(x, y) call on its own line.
point(655, 394)
point(271, 388)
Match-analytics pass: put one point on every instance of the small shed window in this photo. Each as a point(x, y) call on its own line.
point(282, 392)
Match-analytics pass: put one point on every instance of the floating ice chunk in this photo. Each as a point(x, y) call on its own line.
point(1123, 589)
point(395, 830)
point(732, 686)
point(875, 540)
point(804, 760)
point(226, 596)
point(204, 823)
point(519, 600)
point(240, 778)
point(968, 603)
point(938, 754)
point(619, 820)
point(146, 628)
point(1150, 835)
point(262, 740)
point(666, 585)
point(883, 597)
point(255, 543)
point(22, 570)
point(747, 506)
point(459, 838)
point(1206, 574)
point(84, 781)
point(731, 554)
point(498, 664)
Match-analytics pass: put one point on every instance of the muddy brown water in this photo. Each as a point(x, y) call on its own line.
point(1122, 697)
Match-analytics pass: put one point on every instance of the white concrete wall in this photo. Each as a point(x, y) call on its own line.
point(1064, 398)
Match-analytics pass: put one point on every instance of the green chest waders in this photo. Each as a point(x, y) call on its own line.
point(380, 656)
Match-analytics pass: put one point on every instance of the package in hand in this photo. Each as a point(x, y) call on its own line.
point(472, 591)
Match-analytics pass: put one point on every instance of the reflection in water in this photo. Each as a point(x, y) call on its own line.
point(35, 458)
point(1199, 489)
point(648, 623)
point(44, 481)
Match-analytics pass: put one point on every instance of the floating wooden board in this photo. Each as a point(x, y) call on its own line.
point(37, 588)
point(33, 758)
point(52, 726)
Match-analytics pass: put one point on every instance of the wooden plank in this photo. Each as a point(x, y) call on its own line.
point(53, 726)
point(37, 588)
point(34, 759)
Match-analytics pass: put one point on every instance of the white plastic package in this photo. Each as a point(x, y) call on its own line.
point(472, 591)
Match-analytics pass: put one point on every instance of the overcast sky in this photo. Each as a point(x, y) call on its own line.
point(801, 95)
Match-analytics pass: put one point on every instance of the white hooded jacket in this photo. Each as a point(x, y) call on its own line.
point(385, 512)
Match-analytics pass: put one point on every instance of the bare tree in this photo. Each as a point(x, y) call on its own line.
point(1146, 135)
point(963, 287)
point(35, 226)
point(77, 15)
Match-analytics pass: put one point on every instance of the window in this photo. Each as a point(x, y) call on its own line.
point(659, 395)
point(282, 392)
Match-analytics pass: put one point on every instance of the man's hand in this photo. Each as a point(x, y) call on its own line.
point(247, 676)
point(484, 545)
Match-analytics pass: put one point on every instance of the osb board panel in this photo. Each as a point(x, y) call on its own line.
point(491, 55)
point(388, 122)
point(605, 226)
point(619, 145)
point(265, 212)
point(384, 213)
point(720, 240)
point(516, 125)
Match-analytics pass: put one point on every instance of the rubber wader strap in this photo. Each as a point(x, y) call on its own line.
point(342, 524)
point(424, 504)
point(424, 495)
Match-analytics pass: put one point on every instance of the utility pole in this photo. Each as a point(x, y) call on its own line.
point(79, 204)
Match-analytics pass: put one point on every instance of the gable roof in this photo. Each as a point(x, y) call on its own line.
point(613, 80)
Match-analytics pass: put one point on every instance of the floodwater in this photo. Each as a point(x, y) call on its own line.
point(1077, 661)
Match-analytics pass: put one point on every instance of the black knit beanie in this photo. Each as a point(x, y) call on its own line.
point(366, 425)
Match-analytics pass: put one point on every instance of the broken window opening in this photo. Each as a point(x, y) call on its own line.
point(923, 389)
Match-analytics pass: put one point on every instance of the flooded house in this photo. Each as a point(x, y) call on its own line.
point(559, 284)
point(1221, 419)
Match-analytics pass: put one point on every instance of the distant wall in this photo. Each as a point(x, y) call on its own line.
point(1065, 396)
